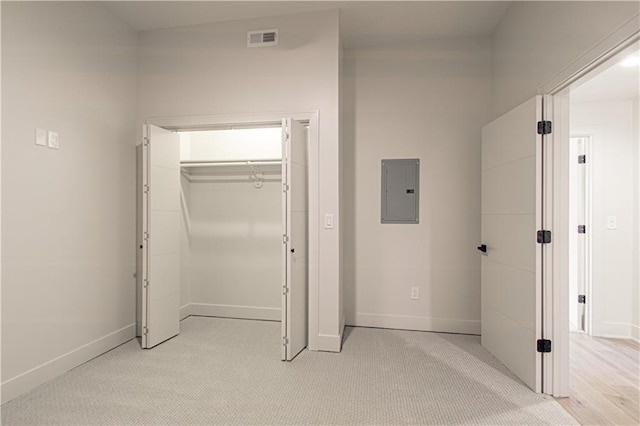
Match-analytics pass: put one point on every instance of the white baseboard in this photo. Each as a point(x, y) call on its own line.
point(407, 322)
point(635, 333)
point(616, 330)
point(185, 311)
point(232, 311)
point(329, 342)
point(33, 378)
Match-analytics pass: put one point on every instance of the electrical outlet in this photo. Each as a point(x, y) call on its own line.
point(612, 222)
point(53, 140)
point(415, 293)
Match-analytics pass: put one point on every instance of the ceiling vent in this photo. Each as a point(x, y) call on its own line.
point(262, 38)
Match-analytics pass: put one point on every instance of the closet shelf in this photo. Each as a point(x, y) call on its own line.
point(251, 170)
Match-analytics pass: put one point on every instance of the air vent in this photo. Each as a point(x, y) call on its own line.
point(262, 38)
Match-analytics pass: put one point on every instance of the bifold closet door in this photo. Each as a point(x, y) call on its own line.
point(295, 245)
point(161, 236)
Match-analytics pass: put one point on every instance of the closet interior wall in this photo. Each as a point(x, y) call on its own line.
point(232, 225)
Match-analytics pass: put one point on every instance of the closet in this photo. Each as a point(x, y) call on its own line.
point(223, 228)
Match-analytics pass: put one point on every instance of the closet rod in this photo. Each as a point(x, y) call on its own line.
point(228, 163)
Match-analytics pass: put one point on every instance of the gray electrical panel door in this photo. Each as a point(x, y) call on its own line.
point(400, 185)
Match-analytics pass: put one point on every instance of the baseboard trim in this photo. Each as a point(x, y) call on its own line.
point(616, 330)
point(41, 374)
point(329, 342)
point(407, 322)
point(635, 333)
point(232, 311)
point(185, 311)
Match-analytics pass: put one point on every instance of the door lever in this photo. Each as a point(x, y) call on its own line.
point(482, 248)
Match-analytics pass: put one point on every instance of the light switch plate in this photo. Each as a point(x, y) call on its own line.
point(41, 137)
point(328, 221)
point(53, 140)
point(612, 222)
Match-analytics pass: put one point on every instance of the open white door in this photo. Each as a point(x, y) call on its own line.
point(161, 236)
point(512, 262)
point(295, 248)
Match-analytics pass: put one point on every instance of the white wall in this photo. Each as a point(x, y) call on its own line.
point(635, 314)
point(535, 40)
point(426, 101)
point(232, 145)
point(612, 168)
point(207, 69)
point(236, 248)
point(68, 215)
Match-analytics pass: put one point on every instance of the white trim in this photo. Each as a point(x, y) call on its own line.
point(635, 332)
point(233, 311)
point(185, 311)
point(313, 117)
point(617, 330)
point(556, 327)
point(329, 342)
point(36, 376)
point(602, 52)
point(409, 322)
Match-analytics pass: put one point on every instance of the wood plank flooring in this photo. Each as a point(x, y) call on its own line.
point(604, 382)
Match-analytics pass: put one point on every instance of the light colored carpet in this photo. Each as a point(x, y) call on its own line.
point(222, 371)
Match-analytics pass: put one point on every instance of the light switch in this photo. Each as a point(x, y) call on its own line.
point(328, 221)
point(612, 222)
point(53, 140)
point(41, 137)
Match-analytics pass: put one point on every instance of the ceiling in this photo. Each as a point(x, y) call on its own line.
point(362, 23)
point(615, 83)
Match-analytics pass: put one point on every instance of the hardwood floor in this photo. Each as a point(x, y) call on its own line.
point(604, 381)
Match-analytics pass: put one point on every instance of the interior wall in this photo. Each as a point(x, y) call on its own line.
point(635, 309)
point(535, 40)
point(612, 168)
point(236, 248)
point(68, 215)
point(207, 69)
point(427, 101)
point(185, 246)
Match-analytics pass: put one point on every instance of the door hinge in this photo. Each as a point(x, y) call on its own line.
point(544, 236)
point(285, 187)
point(145, 141)
point(285, 341)
point(582, 159)
point(285, 290)
point(285, 239)
point(582, 229)
point(145, 284)
point(582, 298)
point(544, 127)
point(145, 331)
point(544, 345)
point(145, 188)
point(145, 236)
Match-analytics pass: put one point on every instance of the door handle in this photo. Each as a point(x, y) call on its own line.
point(482, 248)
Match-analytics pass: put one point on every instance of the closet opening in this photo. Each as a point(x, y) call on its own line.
point(224, 228)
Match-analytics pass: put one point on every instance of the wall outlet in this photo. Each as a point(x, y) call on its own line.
point(53, 140)
point(612, 222)
point(415, 293)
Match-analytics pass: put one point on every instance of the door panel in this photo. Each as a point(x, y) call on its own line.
point(295, 253)
point(161, 225)
point(511, 268)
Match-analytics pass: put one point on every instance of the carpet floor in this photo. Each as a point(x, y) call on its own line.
point(224, 371)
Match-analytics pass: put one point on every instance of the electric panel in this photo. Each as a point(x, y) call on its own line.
point(400, 190)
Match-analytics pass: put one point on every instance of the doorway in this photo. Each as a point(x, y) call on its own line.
point(207, 225)
point(595, 210)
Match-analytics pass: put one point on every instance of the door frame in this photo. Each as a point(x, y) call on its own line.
point(555, 368)
point(217, 121)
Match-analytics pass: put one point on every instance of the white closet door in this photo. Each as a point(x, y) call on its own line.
point(161, 236)
point(511, 217)
point(295, 247)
